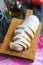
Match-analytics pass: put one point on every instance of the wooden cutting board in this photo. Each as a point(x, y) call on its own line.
point(26, 54)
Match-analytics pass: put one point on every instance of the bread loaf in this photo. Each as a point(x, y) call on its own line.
point(25, 33)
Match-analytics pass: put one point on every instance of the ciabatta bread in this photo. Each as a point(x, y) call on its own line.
point(25, 33)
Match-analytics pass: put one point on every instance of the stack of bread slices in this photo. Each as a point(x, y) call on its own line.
point(24, 34)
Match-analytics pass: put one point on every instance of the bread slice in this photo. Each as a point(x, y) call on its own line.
point(22, 39)
point(21, 32)
point(27, 30)
point(20, 43)
point(15, 46)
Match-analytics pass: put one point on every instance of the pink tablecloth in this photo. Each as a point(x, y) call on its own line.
point(15, 61)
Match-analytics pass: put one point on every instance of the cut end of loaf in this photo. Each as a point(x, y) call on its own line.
point(15, 47)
